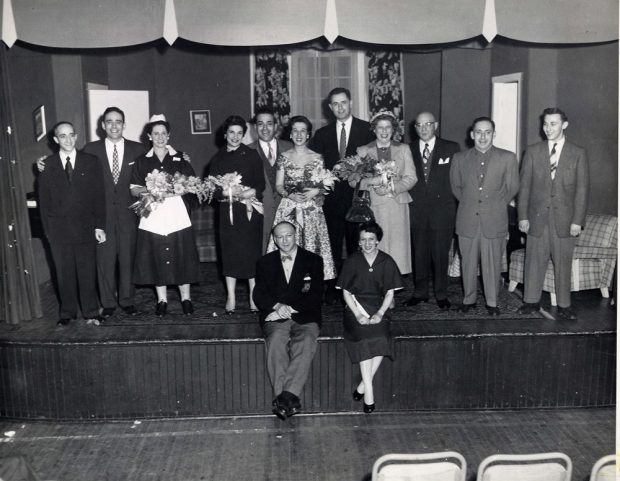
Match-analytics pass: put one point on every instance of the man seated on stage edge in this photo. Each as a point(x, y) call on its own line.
point(288, 293)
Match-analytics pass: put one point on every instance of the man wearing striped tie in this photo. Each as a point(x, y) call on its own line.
point(552, 209)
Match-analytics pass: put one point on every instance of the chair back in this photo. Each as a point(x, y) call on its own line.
point(526, 467)
point(442, 466)
point(604, 469)
point(601, 230)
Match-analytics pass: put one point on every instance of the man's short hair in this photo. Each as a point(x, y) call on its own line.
point(555, 110)
point(264, 111)
point(62, 122)
point(482, 119)
point(273, 229)
point(338, 90)
point(114, 109)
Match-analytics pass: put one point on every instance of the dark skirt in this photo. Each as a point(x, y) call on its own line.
point(367, 341)
point(166, 260)
point(241, 242)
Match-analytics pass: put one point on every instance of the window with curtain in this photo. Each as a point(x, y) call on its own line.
point(314, 73)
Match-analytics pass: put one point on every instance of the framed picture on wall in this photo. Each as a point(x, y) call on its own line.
point(201, 121)
point(38, 119)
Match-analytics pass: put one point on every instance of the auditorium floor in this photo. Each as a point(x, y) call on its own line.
point(338, 447)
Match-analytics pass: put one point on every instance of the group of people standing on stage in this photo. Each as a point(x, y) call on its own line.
point(291, 250)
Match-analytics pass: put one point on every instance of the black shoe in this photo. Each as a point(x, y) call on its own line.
point(107, 311)
point(129, 310)
point(279, 407)
point(161, 308)
point(465, 308)
point(188, 307)
point(566, 314)
point(493, 310)
point(414, 301)
point(294, 405)
point(357, 396)
point(229, 312)
point(368, 408)
point(528, 308)
point(63, 321)
point(443, 303)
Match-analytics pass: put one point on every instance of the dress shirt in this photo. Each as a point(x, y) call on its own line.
point(558, 148)
point(431, 145)
point(64, 155)
point(109, 150)
point(288, 265)
point(265, 147)
point(347, 129)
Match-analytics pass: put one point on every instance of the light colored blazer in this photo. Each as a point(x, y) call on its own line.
point(484, 206)
point(405, 179)
point(566, 194)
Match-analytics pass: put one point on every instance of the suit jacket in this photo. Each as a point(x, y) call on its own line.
point(118, 197)
point(566, 194)
point(325, 142)
point(271, 198)
point(433, 201)
point(406, 176)
point(70, 212)
point(484, 205)
point(271, 286)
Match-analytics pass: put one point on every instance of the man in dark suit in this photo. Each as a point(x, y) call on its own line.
point(72, 204)
point(289, 286)
point(484, 180)
point(116, 156)
point(268, 148)
point(335, 141)
point(432, 211)
point(552, 209)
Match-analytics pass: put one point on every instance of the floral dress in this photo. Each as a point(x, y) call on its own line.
point(307, 217)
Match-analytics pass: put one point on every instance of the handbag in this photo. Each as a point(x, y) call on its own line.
point(360, 207)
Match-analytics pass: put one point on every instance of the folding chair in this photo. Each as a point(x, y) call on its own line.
point(443, 466)
point(526, 467)
point(604, 469)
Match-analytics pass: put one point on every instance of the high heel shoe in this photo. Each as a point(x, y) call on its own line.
point(188, 307)
point(357, 396)
point(161, 308)
point(368, 408)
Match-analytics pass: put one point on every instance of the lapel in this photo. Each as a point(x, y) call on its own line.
point(61, 177)
point(105, 165)
point(565, 160)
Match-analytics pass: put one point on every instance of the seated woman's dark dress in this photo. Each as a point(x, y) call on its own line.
point(368, 284)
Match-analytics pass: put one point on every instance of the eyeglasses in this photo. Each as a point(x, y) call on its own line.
point(428, 125)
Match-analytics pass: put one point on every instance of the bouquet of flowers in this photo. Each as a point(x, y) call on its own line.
point(228, 183)
point(355, 168)
point(319, 178)
point(160, 184)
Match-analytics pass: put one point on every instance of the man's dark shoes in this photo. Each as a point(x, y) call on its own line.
point(293, 404)
point(493, 310)
point(566, 314)
point(63, 321)
point(161, 308)
point(443, 303)
point(529, 308)
point(414, 301)
point(188, 307)
point(129, 310)
point(279, 407)
point(107, 311)
point(465, 308)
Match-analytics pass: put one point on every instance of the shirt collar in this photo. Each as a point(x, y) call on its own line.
point(559, 142)
point(347, 123)
point(430, 142)
point(169, 148)
point(292, 253)
point(120, 143)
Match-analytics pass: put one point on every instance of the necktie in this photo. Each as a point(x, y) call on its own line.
point(553, 157)
point(426, 154)
point(343, 142)
point(270, 154)
point(286, 257)
point(116, 172)
point(69, 169)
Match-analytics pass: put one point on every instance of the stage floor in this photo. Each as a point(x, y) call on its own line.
point(209, 321)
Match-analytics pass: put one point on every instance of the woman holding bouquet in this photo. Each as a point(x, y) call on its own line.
point(240, 225)
point(389, 187)
point(302, 181)
point(166, 251)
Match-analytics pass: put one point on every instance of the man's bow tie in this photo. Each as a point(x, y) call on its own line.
point(286, 257)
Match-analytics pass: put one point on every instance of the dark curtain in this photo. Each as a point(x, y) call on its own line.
point(20, 298)
point(271, 80)
point(385, 86)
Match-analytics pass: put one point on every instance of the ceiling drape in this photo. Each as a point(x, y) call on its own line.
point(117, 23)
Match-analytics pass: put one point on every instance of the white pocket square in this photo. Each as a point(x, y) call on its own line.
point(131, 163)
point(444, 161)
